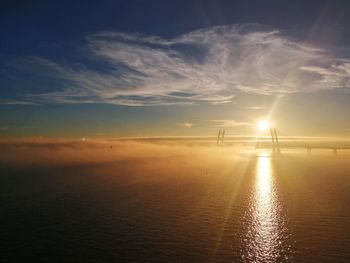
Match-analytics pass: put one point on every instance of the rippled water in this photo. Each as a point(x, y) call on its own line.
point(260, 209)
point(266, 230)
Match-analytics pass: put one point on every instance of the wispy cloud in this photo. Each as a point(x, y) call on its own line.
point(205, 66)
point(229, 123)
point(255, 108)
point(186, 124)
point(19, 102)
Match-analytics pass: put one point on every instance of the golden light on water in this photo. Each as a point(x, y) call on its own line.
point(263, 183)
point(266, 231)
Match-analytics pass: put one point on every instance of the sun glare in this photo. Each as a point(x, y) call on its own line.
point(263, 125)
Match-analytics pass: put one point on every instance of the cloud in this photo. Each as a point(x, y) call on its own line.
point(11, 102)
point(186, 124)
point(254, 108)
point(335, 75)
point(229, 123)
point(209, 65)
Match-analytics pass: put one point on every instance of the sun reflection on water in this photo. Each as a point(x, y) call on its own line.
point(266, 232)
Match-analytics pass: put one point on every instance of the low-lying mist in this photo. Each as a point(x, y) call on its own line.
point(17, 153)
point(146, 155)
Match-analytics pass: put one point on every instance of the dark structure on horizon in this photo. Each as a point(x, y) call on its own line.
point(275, 142)
point(221, 137)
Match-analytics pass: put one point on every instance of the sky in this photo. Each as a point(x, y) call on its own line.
point(174, 68)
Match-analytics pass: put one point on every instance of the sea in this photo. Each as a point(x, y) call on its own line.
point(256, 206)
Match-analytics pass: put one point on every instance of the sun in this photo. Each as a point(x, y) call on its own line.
point(263, 125)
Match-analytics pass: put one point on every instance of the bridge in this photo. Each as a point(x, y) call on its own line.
point(276, 145)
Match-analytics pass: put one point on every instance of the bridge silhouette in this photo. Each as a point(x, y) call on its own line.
point(277, 145)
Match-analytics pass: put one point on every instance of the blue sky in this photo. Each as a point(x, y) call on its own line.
point(141, 68)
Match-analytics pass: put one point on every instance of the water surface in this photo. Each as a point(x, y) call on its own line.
point(255, 208)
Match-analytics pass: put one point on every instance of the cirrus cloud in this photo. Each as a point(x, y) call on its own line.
point(209, 65)
point(186, 124)
point(230, 123)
